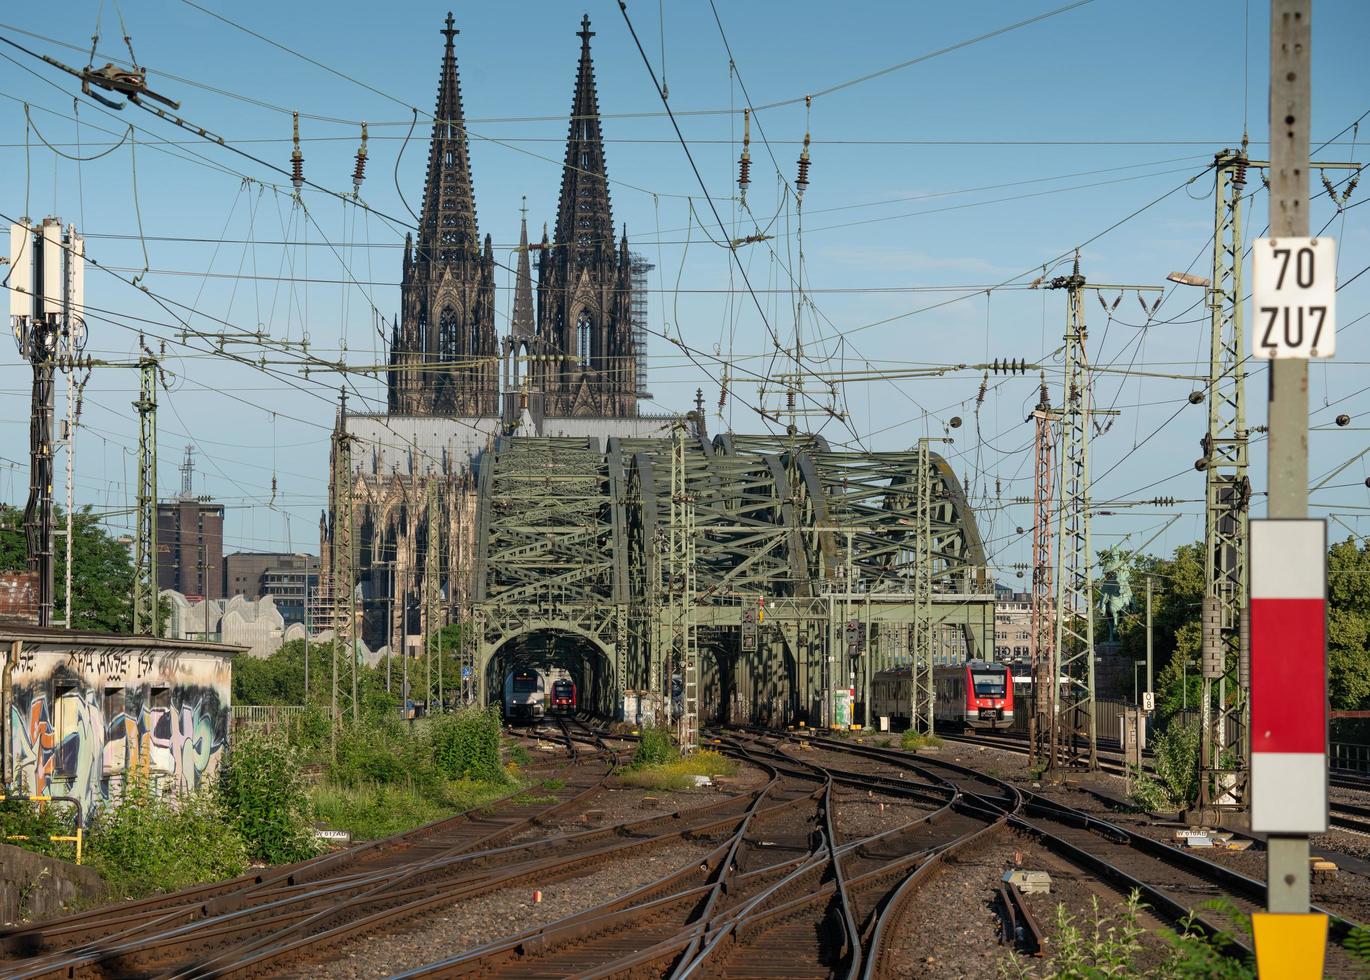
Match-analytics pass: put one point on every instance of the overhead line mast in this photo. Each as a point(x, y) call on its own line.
point(1074, 713)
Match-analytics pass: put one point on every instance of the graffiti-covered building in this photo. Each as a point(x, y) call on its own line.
point(82, 712)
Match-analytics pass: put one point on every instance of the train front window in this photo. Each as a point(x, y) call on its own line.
point(988, 685)
point(525, 683)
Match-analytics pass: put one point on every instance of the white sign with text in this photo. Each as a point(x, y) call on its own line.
point(1294, 297)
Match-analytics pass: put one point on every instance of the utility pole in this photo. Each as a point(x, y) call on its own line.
point(682, 593)
point(921, 688)
point(1150, 677)
point(1045, 674)
point(343, 559)
point(1291, 33)
point(146, 617)
point(1227, 494)
point(432, 615)
point(46, 288)
point(1074, 605)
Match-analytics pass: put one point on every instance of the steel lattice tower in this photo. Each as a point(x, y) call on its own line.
point(1043, 632)
point(432, 608)
point(1074, 609)
point(920, 669)
point(682, 593)
point(145, 606)
point(1227, 495)
point(342, 564)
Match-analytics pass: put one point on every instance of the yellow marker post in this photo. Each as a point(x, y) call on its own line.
point(1289, 946)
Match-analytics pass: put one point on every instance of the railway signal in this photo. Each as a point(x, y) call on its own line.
point(1288, 667)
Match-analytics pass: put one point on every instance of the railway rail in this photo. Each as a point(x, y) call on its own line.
point(227, 920)
point(782, 885)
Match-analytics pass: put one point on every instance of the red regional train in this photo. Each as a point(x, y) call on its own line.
point(564, 696)
point(975, 694)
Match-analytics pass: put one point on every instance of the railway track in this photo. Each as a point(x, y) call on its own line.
point(781, 886)
point(1173, 882)
point(213, 927)
point(804, 905)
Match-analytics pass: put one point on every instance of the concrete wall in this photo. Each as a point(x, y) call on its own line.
point(33, 886)
point(82, 711)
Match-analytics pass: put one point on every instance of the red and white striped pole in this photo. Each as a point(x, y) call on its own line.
point(1288, 676)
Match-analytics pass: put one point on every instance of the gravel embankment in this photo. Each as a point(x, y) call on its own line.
point(463, 926)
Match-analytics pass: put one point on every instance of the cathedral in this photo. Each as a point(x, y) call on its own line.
point(577, 356)
point(569, 365)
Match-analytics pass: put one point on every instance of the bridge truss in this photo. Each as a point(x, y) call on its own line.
point(804, 572)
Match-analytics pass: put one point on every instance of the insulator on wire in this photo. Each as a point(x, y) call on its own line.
point(744, 163)
point(296, 157)
point(1239, 174)
point(359, 171)
point(801, 183)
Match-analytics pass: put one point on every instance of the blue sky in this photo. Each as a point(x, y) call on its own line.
point(931, 186)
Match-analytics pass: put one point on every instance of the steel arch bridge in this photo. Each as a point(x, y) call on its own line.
point(807, 573)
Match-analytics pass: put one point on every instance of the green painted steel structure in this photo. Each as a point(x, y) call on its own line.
point(797, 548)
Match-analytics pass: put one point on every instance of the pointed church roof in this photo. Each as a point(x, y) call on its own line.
point(584, 218)
point(522, 323)
point(448, 225)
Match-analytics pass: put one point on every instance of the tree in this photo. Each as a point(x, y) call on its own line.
point(1348, 625)
point(101, 576)
point(1177, 594)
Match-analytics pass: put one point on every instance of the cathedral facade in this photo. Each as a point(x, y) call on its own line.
point(567, 366)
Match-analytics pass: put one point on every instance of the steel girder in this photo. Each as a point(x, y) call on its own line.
point(573, 538)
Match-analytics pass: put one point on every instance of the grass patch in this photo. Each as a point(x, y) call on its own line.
point(518, 754)
point(374, 810)
point(552, 785)
point(913, 741)
point(680, 773)
point(533, 799)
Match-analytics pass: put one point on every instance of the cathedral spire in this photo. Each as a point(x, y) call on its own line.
point(521, 323)
point(448, 229)
point(584, 219)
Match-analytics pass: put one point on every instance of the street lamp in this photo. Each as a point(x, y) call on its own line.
point(1189, 279)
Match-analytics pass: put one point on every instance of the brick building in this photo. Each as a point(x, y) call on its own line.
point(190, 541)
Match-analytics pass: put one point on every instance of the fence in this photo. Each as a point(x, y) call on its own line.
point(265, 716)
point(1351, 757)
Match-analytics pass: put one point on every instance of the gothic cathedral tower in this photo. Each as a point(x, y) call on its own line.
point(444, 353)
point(587, 365)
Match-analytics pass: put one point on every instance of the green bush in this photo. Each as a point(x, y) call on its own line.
point(1175, 783)
point(466, 744)
point(265, 795)
point(31, 825)
point(145, 842)
point(655, 747)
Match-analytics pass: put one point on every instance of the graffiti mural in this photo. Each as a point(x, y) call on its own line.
point(81, 723)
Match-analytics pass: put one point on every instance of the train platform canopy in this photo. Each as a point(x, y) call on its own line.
point(84, 712)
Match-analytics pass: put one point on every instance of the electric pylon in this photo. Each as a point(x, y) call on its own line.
point(921, 688)
point(342, 563)
point(1073, 688)
point(1045, 675)
point(1227, 495)
point(1074, 605)
point(682, 592)
point(432, 607)
point(146, 618)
